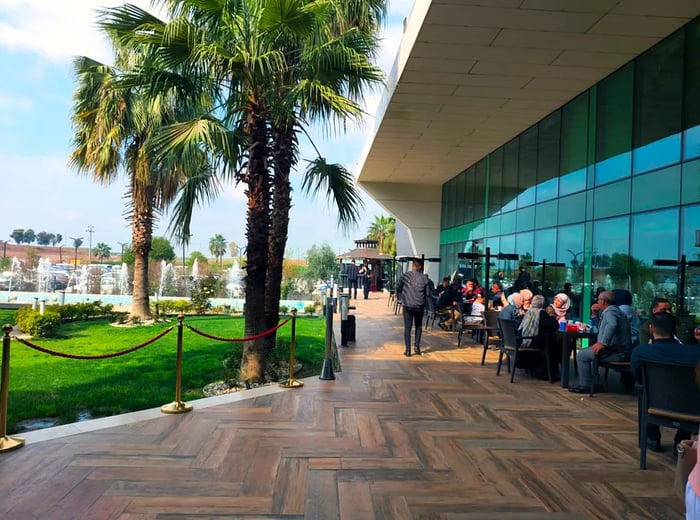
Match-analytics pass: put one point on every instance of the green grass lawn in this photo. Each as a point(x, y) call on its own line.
point(42, 385)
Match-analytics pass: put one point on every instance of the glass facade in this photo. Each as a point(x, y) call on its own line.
point(606, 185)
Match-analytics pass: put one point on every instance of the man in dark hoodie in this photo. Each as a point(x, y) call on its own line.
point(413, 290)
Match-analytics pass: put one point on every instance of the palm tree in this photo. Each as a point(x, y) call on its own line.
point(114, 122)
point(270, 68)
point(217, 247)
point(383, 230)
point(102, 251)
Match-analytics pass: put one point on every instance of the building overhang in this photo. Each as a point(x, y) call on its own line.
point(472, 74)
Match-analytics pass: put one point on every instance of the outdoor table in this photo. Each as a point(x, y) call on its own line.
point(568, 345)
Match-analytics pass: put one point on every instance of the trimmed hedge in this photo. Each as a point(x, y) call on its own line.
point(31, 322)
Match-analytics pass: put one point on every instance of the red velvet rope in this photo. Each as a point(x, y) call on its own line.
point(100, 356)
point(249, 338)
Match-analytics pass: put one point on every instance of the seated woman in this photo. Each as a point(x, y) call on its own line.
point(540, 331)
point(527, 298)
point(514, 310)
point(560, 307)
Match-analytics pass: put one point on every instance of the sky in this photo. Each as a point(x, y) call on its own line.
point(38, 41)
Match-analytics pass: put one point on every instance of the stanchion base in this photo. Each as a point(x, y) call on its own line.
point(292, 383)
point(10, 443)
point(327, 370)
point(176, 407)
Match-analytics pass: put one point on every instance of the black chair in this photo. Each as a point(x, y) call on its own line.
point(491, 332)
point(669, 396)
point(430, 313)
point(510, 347)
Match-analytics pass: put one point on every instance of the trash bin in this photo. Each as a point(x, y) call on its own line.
point(351, 327)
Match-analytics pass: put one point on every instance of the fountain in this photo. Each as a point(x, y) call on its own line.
point(195, 270)
point(43, 275)
point(123, 280)
point(167, 279)
point(13, 276)
point(234, 282)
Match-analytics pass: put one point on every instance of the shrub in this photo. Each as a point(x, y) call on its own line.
point(203, 289)
point(284, 309)
point(31, 322)
point(310, 309)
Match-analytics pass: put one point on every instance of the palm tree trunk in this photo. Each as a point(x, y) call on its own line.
point(141, 237)
point(283, 146)
point(257, 228)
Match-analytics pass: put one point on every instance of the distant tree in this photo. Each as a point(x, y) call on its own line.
point(128, 256)
point(29, 236)
point(57, 239)
point(17, 235)
point(217, 247)
point(161, 249)
point(102, 251)
point(77, 242)
point(321, 263)
point(383, 230)
point(44, 239)
point(199, 256)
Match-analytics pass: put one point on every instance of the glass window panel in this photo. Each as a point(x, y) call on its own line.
point(614, 168)
point(691, 142)
point(525, 219)
point(690, 227)
point(548, 156)
point(493, 225)
point(508, 222)
point(572, 182)
point(480, 189)
point(690, 185)
point(574, 136)
point(692, 75)
point(509, 186)
point(546, 214)
point(613, 199)
point(570, 252)
point(610, 256)
point(524, 245)
point(495, 181)
point(449, 202)
point(657, 154)
point(654, 236)
point(509, 267)
point(658, 102)
point(614, 122)
point(572, 209)
point(460, 199)
point(545, 244)
point(469, 214)
point(658, 189)
point(527, 167)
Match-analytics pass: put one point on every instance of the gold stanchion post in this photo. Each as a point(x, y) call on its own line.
point(177, 406)
point(6, 443)
point(291, 382)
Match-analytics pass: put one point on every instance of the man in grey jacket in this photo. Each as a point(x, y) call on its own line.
point(413, 291)
point(614, 341)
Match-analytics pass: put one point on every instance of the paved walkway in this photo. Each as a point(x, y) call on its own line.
point(437, 436)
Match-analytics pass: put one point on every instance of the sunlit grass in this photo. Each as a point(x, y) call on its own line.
point(42, 385)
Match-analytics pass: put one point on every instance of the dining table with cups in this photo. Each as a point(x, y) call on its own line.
point(571, 334)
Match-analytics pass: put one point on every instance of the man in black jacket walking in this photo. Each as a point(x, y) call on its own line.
point(413, 291)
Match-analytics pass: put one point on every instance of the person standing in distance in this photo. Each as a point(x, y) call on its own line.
point(352, 271)
point(413, 290)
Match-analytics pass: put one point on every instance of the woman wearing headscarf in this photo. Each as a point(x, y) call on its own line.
point(527, 298)
point(539, 330)
point(514, 310)
point(560, 307)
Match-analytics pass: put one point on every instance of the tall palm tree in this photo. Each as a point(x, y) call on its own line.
point(271, 68)
point(102, 251)
point(217, 247)
point(114, 122)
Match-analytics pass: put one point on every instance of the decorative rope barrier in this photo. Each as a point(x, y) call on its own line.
point(100, 356)
point(249, 338)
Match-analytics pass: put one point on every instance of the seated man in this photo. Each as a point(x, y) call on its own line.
point(614, 341)
point(447, 306)
point(666, 349)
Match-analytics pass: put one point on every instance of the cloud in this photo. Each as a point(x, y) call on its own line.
point(15, 103)
point(57, 30)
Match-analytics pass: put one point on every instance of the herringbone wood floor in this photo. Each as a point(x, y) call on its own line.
point(437, 436)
